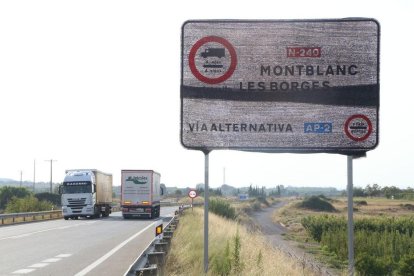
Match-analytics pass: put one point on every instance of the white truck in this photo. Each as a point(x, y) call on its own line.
point(86, 193)
point(140, 193)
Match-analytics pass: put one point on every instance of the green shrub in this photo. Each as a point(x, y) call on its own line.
point(27, 204)
point(368, 265)
point(7, 193)
point(257, 206)
point(316, 203)
point(237, 262)
point(222, 262)
point(53, 198)
point(222, 208)
point(407, 206)
point(361, 202)
point(383, 246)
point(263, 200)
point(406, 265)
point(228, 261)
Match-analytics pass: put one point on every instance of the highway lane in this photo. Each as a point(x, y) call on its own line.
point(105, 246)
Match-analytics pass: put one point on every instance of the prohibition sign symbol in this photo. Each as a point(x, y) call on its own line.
point(192, 194)
point(358, 127)
point(192, 63)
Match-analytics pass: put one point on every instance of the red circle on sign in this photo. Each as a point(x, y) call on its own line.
point(192, 194)
point(368, 127)
point(225, 43)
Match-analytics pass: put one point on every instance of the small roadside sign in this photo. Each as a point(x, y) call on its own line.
point(192, 194)
point(159, 231)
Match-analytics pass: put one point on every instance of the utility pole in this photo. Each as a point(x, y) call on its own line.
point(34, 176)
point(51, 172)
point(224, 175)
point(21, 178)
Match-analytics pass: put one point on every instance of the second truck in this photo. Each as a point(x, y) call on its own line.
point(140, 193)
point(86, 193)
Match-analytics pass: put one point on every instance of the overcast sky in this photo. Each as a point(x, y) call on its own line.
point(96, 84)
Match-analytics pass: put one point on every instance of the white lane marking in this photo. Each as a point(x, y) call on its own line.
point(51, 260)
point(42, 264)
point(46, 230)
point(110, 253)
point(21, 236)
point(23, 271)
point(63, 255)
point(39, 265)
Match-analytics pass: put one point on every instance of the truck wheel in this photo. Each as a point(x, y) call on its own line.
point(66, 218)
point(106, 212)
point(97, 212)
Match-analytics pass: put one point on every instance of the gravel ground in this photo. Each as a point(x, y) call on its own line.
point(274, 234)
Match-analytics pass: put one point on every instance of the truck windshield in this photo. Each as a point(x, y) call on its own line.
point(76, 187)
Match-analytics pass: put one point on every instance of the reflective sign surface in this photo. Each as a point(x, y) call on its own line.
point(282, 86)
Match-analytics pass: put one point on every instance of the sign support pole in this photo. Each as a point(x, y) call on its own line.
point(206, 173)
point(350, 217)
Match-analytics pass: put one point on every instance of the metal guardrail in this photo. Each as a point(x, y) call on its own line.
point(30, 216)
point(145, 264)
point(8, 219)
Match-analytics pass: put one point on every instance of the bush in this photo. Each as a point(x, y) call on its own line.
point(368, 265)
point(383, 246)
point(53, 198)
point(316, 203)
point(222, 262)
point(257, 206)
point(27, 204)
point(407, 206)
point(7, 193)
point(222, 208)
point(406, 265)
point(263, 200)
point(361, 202)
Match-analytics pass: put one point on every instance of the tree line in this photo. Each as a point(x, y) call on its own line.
point(390, 192)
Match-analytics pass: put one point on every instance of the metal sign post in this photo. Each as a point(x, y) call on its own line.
point(206, 173)
point(350, 217)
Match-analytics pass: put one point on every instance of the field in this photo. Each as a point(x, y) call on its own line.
point(384, 241)
point(233, 250)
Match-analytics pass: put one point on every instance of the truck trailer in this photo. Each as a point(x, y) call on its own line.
point(140, 193)
point(86, 193)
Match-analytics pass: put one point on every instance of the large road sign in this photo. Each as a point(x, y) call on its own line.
point(280, 86)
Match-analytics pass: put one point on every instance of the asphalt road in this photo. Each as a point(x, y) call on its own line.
point(105, 246)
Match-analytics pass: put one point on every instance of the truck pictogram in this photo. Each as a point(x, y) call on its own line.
point(213, 52)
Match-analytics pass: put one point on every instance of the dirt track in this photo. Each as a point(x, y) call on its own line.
point(274, 233)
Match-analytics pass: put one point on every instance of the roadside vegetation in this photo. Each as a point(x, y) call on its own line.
point(384, 229)
point(19, 200)
point(233, 250)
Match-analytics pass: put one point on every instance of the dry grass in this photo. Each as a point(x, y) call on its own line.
point(187, 200)
point(186, 255)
